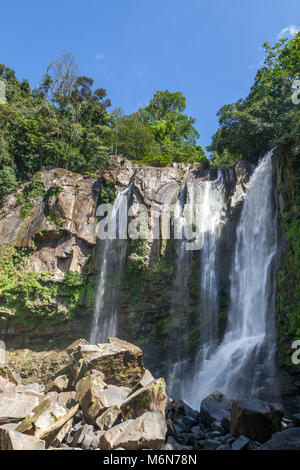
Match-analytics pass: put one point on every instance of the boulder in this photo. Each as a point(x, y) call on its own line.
point(215, 407)
point(146, 432)
point(240, 443)
point(14, 440)
point(145, 380)
point(94, 396)
point(8, 375)
point(86, 438)
point(60, 435)
point(255, 418)
point(88, 396)
point(74, 347)
point(119, 361)
point(17, 403)
point(42, 417)
point(151, 397)
point(59, 384)
point(109, 418)
point(289, 439)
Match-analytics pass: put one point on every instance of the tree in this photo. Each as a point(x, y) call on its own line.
point(268, 116)
point(133, 138)
point(59, 80)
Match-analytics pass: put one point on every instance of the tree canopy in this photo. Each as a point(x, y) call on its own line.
point(268, 116)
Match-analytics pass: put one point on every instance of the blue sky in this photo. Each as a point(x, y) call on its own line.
point(207, 49)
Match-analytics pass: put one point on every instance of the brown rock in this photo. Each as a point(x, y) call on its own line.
point(149, 398)
point(119, 361)
point(42, 417)
point(13, 440)
point(146, 432)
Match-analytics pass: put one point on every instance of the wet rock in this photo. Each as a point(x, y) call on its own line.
point(296, 419)
point(146, 432)
point(149, 398)
point(14, 440)
point(288, 439)
point(210, 444)
point(215, 407)
point(255, 418)
point(240, 443)
point(42, 417)
point(217, 426)
point(224, 447)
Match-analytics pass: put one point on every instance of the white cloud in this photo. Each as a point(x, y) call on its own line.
point(99, 56)
point(288, 31)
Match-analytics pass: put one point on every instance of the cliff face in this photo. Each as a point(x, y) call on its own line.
point(288, 278)
point(50, 250)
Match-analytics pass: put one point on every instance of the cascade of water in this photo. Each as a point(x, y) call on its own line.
point(113, 256)
point(203, 211)
point(243, 364)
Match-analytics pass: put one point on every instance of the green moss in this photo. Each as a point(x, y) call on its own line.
point(31, 298)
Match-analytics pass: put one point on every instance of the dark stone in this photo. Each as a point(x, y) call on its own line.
point(289, 439)
point(240, 443)
point(215, 407)
point(255, 418)
point(224, 447)
point(210, 444)
point(217, 426)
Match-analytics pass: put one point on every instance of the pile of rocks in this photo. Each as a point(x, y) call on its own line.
point(226, 424)
point(106, 399)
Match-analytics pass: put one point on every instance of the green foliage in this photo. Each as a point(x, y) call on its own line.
point(64, 123)
point(30, 298)
point(160, 133)
point(267, 117)
point(107, 192)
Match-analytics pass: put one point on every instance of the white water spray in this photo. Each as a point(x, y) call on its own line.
point(243, 364)
point(113, 253)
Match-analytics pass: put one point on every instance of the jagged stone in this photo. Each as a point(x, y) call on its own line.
point(215, 407)
point(42, 417)
point(240, 443)
point(119, 361)
point(289, 439)
point(86, 438)
point(146, 432)
point(14, 440)
point(88, 396)
point(151, 397)
point(109, 418)
point(255, 418)
point(59, 436)
point(59, 384)
point(17, 403)
point(145, 380)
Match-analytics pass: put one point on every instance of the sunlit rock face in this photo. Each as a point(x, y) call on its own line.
point(59, 231)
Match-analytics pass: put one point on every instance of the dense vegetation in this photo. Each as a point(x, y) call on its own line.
point(65, 123)
point(268, 116)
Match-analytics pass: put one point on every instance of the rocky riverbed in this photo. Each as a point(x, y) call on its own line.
point(104, 398)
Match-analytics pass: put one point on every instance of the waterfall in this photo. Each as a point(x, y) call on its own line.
point(205, 200)
point(113, 256)
point(243, 364)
